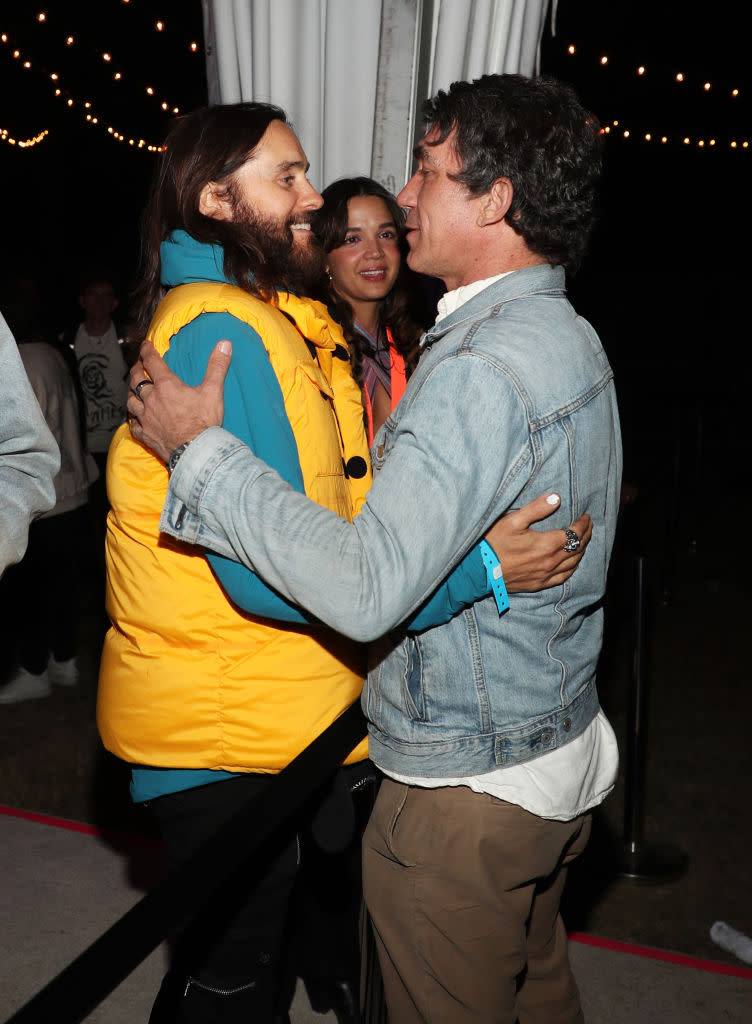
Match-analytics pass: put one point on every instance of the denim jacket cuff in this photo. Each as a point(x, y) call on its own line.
point(181, 516)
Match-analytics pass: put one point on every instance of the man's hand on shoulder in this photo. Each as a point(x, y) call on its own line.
point(166, 413)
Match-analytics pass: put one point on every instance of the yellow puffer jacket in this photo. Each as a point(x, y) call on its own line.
point(187, 679)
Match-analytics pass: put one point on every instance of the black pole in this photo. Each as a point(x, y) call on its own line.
point(633, 799)
point(643, 862)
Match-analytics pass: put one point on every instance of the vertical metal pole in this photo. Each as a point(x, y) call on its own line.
point(635, 773)
point(643, 862)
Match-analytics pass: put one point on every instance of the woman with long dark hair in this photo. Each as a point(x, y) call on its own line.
point(370, 289)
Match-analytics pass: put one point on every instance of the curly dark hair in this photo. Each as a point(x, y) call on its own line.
point(209, 144)
point(401, 311)
point(534, 132)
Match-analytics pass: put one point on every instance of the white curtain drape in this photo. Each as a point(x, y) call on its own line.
point(352, 74)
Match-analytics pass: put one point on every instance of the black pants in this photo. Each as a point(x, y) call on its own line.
point(226, 965)
point(42, 590)
point(237, 961)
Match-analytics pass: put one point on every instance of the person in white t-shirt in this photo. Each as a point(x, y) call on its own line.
point(96, 355)
point(102, 367)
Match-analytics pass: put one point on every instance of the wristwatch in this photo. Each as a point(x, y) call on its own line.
point(175, 455)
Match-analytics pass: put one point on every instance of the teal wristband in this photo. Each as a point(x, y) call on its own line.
point(495, 577)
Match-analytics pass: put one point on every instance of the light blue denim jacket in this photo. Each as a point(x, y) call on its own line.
point(513, 397)
point(29, 456)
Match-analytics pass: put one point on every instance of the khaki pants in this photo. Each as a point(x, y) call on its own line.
point(463, 891)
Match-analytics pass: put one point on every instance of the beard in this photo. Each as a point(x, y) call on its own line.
point(280, 260)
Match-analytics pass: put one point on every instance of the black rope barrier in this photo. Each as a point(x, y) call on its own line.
point(84, 983)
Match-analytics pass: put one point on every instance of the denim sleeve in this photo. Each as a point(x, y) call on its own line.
point(454, 467)
point(29, 456)
point(255, 413)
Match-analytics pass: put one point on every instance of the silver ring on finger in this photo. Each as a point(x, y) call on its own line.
point(141, 384)
point(572, 542)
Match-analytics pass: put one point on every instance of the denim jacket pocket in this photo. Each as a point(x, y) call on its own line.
point(382, 444)
point(415, 704)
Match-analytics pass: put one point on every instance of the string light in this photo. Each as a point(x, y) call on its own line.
point(641, 70)
point(5, 136)
point(107, 57)
point(71, 101)
point(686, 140)
point(705, 85)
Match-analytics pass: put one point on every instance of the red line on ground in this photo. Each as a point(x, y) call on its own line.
point(79, 826)
point(662, 954)
point(586, 940)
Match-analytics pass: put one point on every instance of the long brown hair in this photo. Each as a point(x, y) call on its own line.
point(401, 311)
point(209, 144)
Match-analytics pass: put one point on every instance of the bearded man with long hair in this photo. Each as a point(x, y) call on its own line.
point(207, 675)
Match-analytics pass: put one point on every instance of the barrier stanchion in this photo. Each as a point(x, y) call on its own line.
point(643, 862)
point(90, 978)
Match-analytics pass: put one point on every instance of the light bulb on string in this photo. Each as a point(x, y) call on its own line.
point(105, 55)
point(71, 101)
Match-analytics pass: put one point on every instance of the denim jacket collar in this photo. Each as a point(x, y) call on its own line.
point(530, 280)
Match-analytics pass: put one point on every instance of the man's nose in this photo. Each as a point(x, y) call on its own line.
point(311, 199)
point(406, 198)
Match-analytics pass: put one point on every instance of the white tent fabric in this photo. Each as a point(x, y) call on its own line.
point(352, 74)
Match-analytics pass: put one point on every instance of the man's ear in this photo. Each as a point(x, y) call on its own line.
point(494, 205)
point(213, 201)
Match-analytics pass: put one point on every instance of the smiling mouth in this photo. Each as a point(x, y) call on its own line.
point(374, 275)
point(301, 226)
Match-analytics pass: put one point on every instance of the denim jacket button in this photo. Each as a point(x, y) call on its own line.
point(566, 724)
